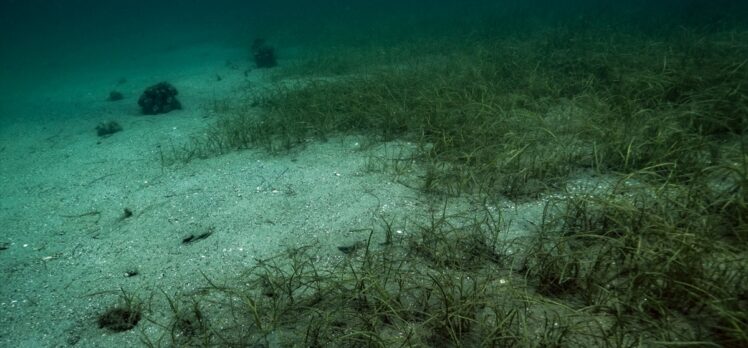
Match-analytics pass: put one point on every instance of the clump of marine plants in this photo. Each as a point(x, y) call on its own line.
point(159, 99)
point(386, 293)
point(629, 264)
point(518, 117)
point(618, 268)
point(663, 262)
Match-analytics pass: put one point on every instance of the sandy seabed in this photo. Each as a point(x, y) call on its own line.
point(67, 244)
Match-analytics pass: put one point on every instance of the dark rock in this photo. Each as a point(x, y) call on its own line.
point(159, 99)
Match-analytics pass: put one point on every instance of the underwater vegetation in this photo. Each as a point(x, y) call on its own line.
point(653, 255)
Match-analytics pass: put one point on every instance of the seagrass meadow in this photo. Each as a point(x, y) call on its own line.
point(529, 175)
point(651, 253)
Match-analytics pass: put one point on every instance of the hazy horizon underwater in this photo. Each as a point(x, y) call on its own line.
point(374, 173)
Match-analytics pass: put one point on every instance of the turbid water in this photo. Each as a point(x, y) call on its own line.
point(86, 218)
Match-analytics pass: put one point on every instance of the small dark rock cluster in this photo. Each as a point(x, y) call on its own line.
point(263, 53)
point(159, 99)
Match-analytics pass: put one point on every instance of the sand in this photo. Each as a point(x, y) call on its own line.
point(64, 192)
